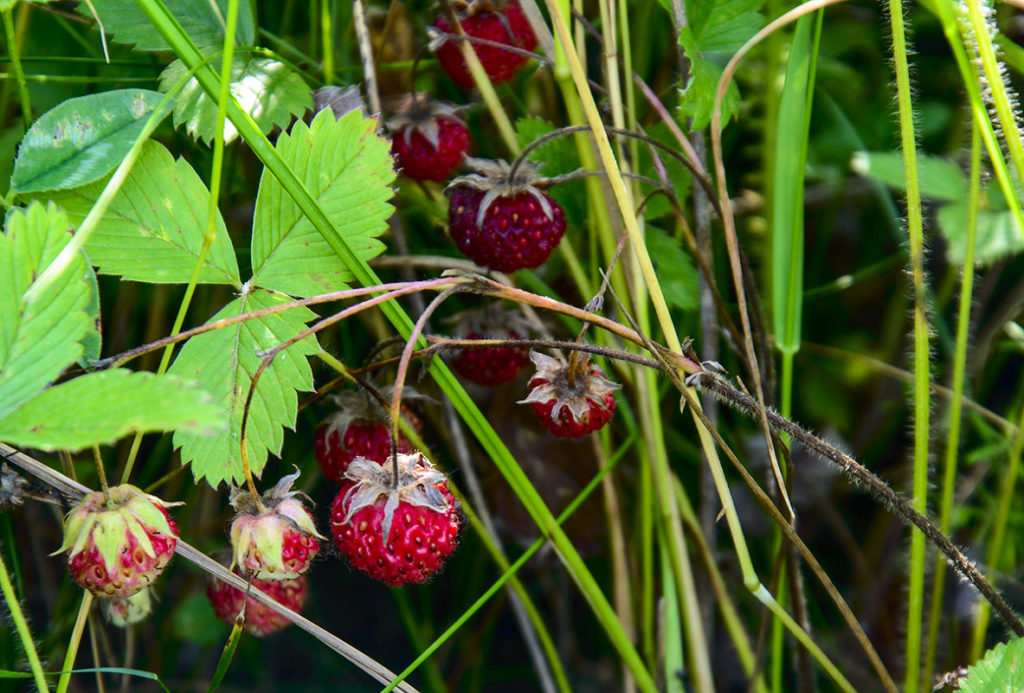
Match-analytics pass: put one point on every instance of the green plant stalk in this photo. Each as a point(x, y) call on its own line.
point(993, 79)
point(19, 72)
point(327, 34)
point(431, 672)
point(648, 622)
point(74, 642)
point(511, 570)
point(922, 366)
point(227, 654)
point(995, 548)
point(182, 45)
point(956, 402)
point(227, 56)
point(21, 626)
point(673, 660)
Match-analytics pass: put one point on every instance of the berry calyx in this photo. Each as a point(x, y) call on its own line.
point(228, 602)
point(120, 542)
point(360, 428)
point(491, 366)
point(395, 533)
point(502, 219)
point(570, 399)
point(429, 138)
point(274, 538)
point(491, 20)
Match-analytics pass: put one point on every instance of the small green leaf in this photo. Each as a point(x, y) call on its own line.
point(41, 337)
point(201, 20)
point(81, 140)
point(678, 175)
point(557, 156)
point(1001, 670)
point(225, 361)
point(99, 408)
point(676, 273)
point(268, 90)
point(940, 179)
point(153, 230)
point(347, 167)
point(998, 234)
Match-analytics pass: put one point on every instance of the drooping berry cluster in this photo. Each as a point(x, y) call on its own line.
point(570, 399)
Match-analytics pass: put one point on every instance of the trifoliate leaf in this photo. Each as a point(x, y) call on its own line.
point(1001, 670)
point(202, 20)
point(939, 179)
point(347, 168)
point(99, 408)
point(676, 273)
point(153, 229)
point(715, 30)
point(81, 140)
point(557, 157)
point(40, 337)
point(225, 360)
point(267, 89)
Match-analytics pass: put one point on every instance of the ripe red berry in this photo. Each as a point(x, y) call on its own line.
point(570, 407)
point(260, 619)
point(503, 221)
point(495, 365)
point(492, 22)
point(120, 542)
point(429, 139)
point(359, 428)
point(275, 538)
point(395, 534)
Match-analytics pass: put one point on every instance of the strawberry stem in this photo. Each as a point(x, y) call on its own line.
point(101, 472)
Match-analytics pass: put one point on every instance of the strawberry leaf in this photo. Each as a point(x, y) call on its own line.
point(40, 337)
point(676, 273)
point(1001, 670)
point(202, 20)
point(347, 167)
point(225, 361)
point(153, 230)
point(81, 140)
point(98, 408)
point(268, 90)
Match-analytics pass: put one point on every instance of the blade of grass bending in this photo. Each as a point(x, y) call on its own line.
point(182, 45)
point(74, 642)
point(922, 362)
point(21, 626)
point(226, 656)
point(956, 402)
point(671, 629)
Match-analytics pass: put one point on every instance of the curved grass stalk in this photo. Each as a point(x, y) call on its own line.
point(76, 639)
point(21, 626)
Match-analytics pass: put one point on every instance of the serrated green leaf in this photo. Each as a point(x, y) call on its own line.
point(153, 230)
point(998, 235)
point(1001, 670)
point(81, 140)
point(41, 337)
point(99, 408)
point(267, 89)
point(676, 273)
point(224, 361)
point(939, 179)
point(347, 167)
point(557, 156)
point(125, 23)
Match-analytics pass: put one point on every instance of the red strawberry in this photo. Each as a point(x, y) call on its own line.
point(504, 221)
point(273, 537)
point(360, 428)
point(573, 399)
point(429, 139)
point(260, 620)
point(500, 22)
point(395, 534)
point(491, 365)
point(120, 542)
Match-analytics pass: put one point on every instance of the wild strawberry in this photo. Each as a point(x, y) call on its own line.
point(360, 428)
point(274, 537)
point(429, 139)
point(395, 533)
point(504, 221)
point(127, 611)
point(120, 542)
point(491, 365)
point(491, 20)
point(571, 399)
point(228, 602)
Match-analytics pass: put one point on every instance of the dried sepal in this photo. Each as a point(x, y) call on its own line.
point(495, 178)
point(551, 383)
